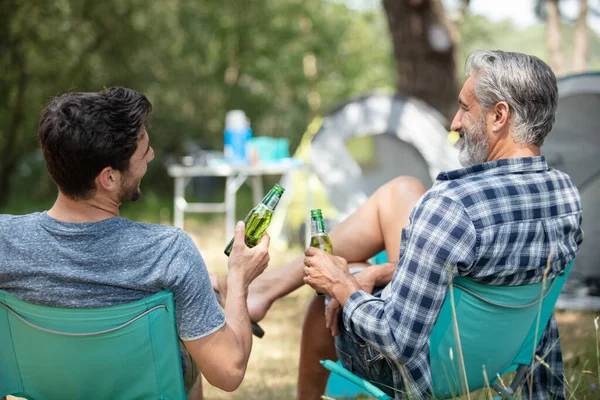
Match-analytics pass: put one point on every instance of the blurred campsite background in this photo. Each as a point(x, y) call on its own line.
point(286, 64)
point(281, 61)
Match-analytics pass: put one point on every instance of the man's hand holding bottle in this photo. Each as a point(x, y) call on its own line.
point(246, 263)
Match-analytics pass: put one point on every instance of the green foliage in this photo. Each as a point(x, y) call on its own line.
point(197, 60)
point(479, 33)
point(194, 60)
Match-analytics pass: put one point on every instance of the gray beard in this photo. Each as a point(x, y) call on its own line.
point(474, 151)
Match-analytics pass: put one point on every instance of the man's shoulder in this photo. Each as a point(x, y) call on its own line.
point(12, 217)
point(487, 193)
point(455, 190)
point(9, 220)
point(470, 191)
point(151, 228)
point(563, 177)
point(150, 231)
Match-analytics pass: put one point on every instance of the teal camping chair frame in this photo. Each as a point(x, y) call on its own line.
point(497, 330)
point(120, 352)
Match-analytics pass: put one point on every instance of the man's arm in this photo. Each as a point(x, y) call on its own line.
point(376, 276)
point(439, 237)
point(222, 356)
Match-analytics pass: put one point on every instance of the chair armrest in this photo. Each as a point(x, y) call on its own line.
point(364, 384)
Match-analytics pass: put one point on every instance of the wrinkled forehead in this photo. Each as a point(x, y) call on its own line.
point(467, 94)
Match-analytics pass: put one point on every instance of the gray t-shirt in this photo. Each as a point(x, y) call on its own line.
point(98, 264)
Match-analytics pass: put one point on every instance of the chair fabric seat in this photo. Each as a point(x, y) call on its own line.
point(126, 351)
point(497, 329)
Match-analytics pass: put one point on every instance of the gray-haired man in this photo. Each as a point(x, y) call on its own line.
point(497, 221)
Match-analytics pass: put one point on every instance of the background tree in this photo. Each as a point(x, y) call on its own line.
point(556, 25)
point(550, 12)
point(424, 43)
point(194, 60)
point(281, 61)
point(50, 47)
point(581, 40)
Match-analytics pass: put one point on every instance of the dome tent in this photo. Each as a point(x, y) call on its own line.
point(358, 147)
point(363, 144)
point(373, 139)
point(573, 146)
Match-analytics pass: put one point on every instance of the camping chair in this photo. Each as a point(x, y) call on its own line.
point(499, 328)
point(120, 352)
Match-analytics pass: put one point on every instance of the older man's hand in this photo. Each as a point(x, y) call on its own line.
point(329, 274)
point(366, 280)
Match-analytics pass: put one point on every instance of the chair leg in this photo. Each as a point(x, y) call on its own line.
point(509, 392)
point(519, 378)
point(505, 393)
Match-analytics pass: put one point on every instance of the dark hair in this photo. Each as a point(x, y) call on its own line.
point(83, 133)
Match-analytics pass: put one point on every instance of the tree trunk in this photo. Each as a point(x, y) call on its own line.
point(553, 37)
point(581, 46)
point(463, 9)
point(424, 44)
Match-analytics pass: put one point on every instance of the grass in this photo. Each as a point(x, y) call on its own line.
point(273, 366)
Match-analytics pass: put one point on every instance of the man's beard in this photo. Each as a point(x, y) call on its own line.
point(475, 148)
point(130, 191)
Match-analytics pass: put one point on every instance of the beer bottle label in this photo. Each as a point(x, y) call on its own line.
point(273, 201)
point(317, 225)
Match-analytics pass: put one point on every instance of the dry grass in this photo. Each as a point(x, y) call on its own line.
point(579, 341)
point(273, 366)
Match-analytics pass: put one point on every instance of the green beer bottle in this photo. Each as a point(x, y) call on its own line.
point(318, 235)
point(259, 217)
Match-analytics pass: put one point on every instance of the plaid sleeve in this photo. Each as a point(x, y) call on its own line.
point(547, 380)
point(439, 237)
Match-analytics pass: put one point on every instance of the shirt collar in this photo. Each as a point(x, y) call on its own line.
point(503, 166)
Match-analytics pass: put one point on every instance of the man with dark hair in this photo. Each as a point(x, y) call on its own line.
point(81, 254)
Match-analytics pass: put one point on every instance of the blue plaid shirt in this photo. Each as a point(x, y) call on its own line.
point(495, 223)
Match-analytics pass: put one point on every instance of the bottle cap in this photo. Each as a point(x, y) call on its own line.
point(236, 120)
point(279, 188)
point(316, 213)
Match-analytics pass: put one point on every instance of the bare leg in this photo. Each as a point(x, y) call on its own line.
point(192, 379)
point(375, 226)
point(316, 344)
point(196, 391)
point(387, 208)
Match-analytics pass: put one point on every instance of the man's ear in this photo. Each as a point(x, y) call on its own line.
point(108, 179)
point(501, 116)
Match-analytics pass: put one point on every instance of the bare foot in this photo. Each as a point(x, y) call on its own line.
point(258, 302)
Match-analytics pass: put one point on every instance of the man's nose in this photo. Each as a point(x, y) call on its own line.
point(456, 125)
point(151, 154)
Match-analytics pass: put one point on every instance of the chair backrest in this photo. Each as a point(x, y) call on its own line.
point(124, 351)
point(499, 327)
